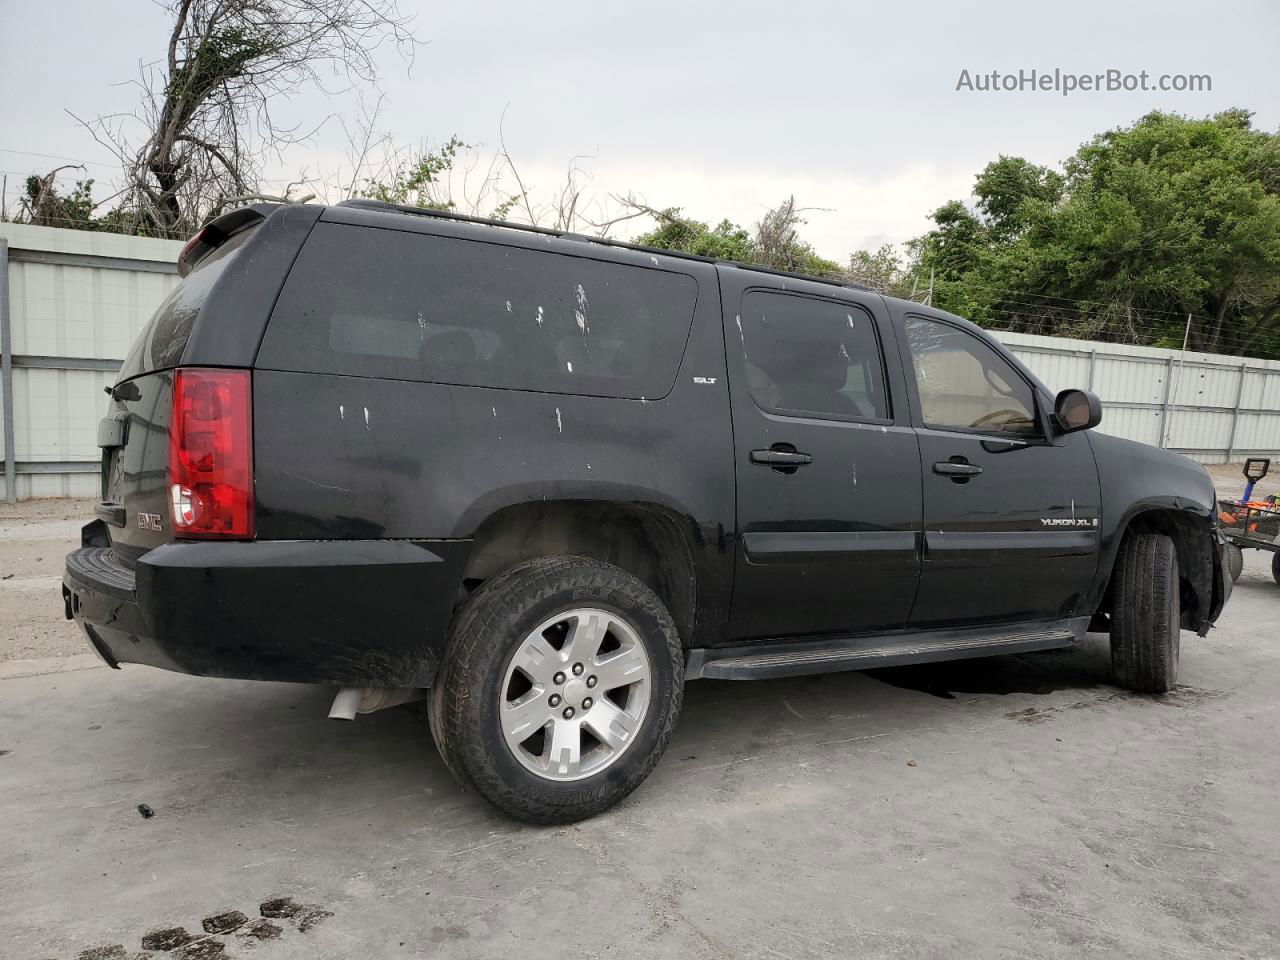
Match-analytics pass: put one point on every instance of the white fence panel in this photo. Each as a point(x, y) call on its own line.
point(1211, 407)
point(76, 301)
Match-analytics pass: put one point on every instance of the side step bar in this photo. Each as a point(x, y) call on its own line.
point(760, 661)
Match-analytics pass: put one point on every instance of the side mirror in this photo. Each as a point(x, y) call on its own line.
point(1077, 410)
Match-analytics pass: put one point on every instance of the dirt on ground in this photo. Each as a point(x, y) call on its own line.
point(35, 535)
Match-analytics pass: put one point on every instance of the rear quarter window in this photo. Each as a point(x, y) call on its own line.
point(365, 301)
point(162, 341)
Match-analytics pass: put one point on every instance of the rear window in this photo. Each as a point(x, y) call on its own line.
point(371, 302)
point(160, 344)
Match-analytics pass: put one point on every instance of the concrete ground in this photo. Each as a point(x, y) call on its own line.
point(1013, 807)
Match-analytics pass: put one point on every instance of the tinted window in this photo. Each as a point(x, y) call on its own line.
point(160, 344)
point(387, 303)
point(965, 384)
point(812, 356)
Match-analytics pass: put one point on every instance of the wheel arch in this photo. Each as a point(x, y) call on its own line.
point(653, 542)
point(1191, 534)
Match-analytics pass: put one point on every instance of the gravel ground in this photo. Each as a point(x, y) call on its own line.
point(1008, 808)
point(34, 537)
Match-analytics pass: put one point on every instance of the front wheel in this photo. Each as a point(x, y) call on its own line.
point(560, 689)
point(1146, 614)
point(1275, 566)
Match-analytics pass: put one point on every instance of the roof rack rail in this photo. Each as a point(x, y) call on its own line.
point(383, 206)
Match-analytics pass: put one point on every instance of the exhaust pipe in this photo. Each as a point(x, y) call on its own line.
point(352, 700)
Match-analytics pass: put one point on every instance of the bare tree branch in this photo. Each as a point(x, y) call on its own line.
point(206, 113)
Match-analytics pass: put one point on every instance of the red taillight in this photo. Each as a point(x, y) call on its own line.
point(211, 454)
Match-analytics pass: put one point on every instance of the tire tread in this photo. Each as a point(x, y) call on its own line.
point(1145, 615)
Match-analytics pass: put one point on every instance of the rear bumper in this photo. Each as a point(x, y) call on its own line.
point(351, 612)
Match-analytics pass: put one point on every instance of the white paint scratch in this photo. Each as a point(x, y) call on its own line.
point(559, 422)
point(653, 260)
point(422, 326)
point(342, 412)
point(366, 418)
point(508, 306)
point(314, 483)
point(569, 364)
point(849, 317)
point(539, 317)
point(580, 297)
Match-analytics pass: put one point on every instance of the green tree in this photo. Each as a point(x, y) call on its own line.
point(775, 243)
point(1148, 223)
point(724, 241)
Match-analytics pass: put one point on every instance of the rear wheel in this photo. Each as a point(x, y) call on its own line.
point(1235, 561)
point(560, 690)
point(1275, 566)
point(1146, 613)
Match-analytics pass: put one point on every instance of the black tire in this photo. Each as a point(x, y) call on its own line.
point(1145, 614)
point(468, 691)
point(1275, 566)
point(1235, 561)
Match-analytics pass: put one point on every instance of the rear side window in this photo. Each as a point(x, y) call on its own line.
point(385, 303)
point(160, 344)
point(811, 356)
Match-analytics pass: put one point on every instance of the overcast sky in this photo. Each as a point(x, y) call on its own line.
point(723, 109)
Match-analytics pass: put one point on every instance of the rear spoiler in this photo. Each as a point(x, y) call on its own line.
point(218, 231)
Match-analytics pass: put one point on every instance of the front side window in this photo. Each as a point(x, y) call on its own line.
point(812, 357)
point(966, 385)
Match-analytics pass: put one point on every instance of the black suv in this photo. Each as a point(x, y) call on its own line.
point(550, 478)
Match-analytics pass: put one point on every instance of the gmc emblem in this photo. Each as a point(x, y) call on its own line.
point(149, 521)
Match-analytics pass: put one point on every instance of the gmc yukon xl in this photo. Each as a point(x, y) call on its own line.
point(547, 479)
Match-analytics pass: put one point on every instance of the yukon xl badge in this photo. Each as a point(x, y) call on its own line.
point(149, 521)
point(1068, 521)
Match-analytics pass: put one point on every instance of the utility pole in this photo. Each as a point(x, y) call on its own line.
point(1168, 420)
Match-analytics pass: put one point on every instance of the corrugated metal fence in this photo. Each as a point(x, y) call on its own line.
point(1214, 408)
point(71, 303)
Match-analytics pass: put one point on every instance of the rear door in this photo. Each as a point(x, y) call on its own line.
point(1011, 515)
point(827, 463)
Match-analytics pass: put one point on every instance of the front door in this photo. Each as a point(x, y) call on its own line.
point(1011, 511)
point(827, 463)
